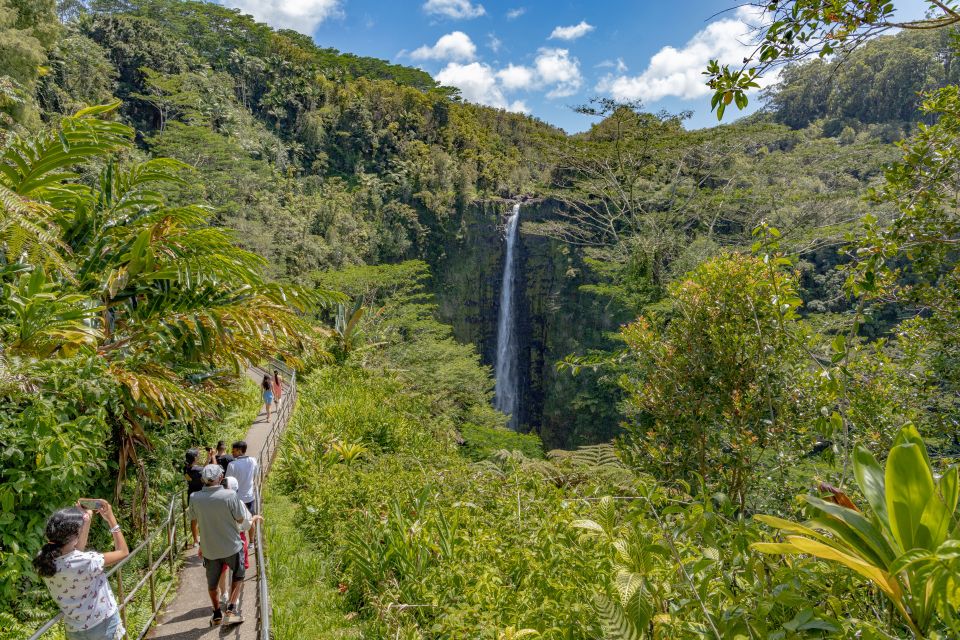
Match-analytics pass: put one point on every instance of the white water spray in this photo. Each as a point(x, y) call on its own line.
point(506, 397)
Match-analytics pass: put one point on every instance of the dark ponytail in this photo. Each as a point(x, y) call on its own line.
point(266, 383)
point(62, 526)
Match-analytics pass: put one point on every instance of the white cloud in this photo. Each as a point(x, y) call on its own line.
point(478, 83)
point(620, 65)
point(556, 67)
point(513, 14)
point(494, 43)
point(453, 46)
point(516, 77)
point(457, 9)
point(679, 72)
point(572, 32)
point(553, 70)
point(301, 15)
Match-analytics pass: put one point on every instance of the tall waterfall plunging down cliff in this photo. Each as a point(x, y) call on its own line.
point(507, 391)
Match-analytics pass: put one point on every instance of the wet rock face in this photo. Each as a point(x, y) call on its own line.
point(555, 318)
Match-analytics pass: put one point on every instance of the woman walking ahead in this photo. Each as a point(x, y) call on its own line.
point(277, 388)
point(267, 387)
point(76, 577)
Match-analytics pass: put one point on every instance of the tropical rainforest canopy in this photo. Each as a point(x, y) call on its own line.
point(739, 344)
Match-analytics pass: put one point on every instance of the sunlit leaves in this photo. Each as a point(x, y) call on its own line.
point(904, 545)
point(792, 30)
point(713, 384)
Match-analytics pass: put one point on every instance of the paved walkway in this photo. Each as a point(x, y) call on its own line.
point(188, 616)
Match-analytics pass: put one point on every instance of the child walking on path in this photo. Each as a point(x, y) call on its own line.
point(76, 577)
point(267, 388)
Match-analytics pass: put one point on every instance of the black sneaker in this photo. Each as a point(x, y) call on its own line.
point(217, 618)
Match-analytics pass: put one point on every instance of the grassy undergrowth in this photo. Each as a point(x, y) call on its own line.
point(305, 604)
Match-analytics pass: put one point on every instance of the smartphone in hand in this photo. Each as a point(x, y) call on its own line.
point(90, 503)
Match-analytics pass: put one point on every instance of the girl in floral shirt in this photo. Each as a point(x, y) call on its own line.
point(76, 577)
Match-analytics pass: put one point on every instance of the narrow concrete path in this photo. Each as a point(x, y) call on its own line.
point(188, 616)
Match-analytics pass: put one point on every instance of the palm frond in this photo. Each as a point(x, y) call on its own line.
point(29, 166)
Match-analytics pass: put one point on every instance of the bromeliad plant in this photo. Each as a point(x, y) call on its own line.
point(908, 544)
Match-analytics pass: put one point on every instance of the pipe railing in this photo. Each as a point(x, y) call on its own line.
point(266, 457)
point(170, 526)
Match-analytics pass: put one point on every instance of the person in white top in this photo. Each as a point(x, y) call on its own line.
point(244, 469)
point(76, 578)
point(248, 521)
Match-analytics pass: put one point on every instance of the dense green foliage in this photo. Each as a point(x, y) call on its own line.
point(125, 324)
point(881, 82)
point(722, 384)
point(409, 534)
point(292, 140)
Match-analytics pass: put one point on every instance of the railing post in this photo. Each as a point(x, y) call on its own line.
point(172, 539)
point(120, 596)
point(153, 591)
point(183, 510)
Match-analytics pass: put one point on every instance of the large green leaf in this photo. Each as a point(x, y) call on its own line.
point(878, 576)
point(870, 478)
point(940, 510)
point(910, 434)
point(792, 527)
point(909, 485)
point(856, 530)
point(614, 621)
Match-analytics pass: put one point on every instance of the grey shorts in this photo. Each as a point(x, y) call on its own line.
point(215, 568)
point(251, 507)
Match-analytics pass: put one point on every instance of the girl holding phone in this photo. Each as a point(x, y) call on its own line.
point(76, 577)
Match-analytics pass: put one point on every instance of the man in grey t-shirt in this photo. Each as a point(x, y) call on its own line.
point(218, 511)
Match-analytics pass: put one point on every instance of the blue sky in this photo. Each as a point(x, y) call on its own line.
point(540, 56)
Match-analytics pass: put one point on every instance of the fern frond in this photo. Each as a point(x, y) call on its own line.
point(28, 232)
point(614, 621)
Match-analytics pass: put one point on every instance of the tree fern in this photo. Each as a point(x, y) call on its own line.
point(596, 455)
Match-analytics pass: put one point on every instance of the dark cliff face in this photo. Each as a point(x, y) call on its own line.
point(556, 319)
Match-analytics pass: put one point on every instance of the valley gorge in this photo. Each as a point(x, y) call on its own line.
point(554, 317)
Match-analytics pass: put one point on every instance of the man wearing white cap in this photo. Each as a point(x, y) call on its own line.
point(218, 511)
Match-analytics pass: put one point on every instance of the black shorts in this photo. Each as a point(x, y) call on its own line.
point(251, 507)
point(215, 568)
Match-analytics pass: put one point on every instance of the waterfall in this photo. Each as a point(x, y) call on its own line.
point(507, 392)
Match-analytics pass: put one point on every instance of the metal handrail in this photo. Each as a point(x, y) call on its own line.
point(170, 525)
point(266, 457)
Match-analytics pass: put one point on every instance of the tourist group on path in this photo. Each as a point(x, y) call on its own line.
point(222, 510)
